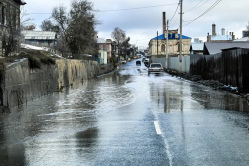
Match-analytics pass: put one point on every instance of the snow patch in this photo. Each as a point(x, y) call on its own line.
point(27, 46)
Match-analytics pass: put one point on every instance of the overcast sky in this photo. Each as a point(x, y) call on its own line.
point(141, 19)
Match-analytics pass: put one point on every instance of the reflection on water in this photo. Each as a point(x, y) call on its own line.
point(54, 125)
point(87, 138)
point(218, 100)
point(175, 95)
point(62, 127)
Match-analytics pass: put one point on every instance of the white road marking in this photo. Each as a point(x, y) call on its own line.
point(158, 131)
point(165, 142)
point(168, 151)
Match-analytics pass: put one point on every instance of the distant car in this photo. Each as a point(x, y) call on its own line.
point(143, 59)
point(123, 62)
point(146, 62)
point(156, 68)
point(138, 63)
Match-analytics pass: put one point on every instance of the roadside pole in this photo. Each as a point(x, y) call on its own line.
point(180, 58)
point(167, 45)
point(157, 44)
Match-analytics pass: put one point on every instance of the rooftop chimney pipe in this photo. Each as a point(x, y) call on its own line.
point(223, 31)
point(213, 30)
point(164, 22)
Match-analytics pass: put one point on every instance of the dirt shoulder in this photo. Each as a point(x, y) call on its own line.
point(216, 85)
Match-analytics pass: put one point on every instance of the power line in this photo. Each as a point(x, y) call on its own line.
point(39, 13)
point(177, 18)
point(175, 12)
point(137, 8)
point(196, 6)
point(209, 9)
point(121, 9)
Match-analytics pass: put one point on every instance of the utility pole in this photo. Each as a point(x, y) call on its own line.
point(167, 45)
point(180, 58)
point(157, 44)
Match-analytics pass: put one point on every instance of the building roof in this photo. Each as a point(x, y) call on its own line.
point(20, 2)
point(243, 39)
point(101, 40)
point(217, 47)
point(197, 46)
point(221, 37)
point(170, 37)
point(39, 35)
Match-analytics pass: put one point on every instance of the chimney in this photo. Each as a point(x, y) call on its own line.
point(213, 30)
point(223, 31)
point(208, 38)
point(233, 36)
point(164, 22)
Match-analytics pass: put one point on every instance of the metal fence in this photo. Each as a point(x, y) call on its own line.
point(231, 67)
point(173, 62)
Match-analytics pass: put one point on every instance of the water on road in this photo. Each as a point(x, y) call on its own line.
point(111, 121)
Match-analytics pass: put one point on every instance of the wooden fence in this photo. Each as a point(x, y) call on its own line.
point(231, 67)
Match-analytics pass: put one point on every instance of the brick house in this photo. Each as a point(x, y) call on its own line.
point(173, 43)
point(105, 50)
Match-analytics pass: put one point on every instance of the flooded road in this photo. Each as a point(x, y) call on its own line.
point(128, 118)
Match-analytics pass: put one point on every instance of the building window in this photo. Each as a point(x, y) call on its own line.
point(17, 17)
point(163, 47)
point(12, 17)
point(4, 15)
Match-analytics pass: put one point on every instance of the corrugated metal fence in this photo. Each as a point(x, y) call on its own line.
point(173, 63)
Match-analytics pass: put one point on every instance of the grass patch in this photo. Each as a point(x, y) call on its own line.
point(36, 58)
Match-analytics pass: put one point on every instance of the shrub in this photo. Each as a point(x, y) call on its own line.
point(37, 57)
point(2, 71)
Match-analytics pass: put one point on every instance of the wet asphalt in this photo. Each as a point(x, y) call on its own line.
point(128, 117)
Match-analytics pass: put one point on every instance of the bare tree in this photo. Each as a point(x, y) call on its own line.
point(47, 25)
point(122, 41)
point(119, 36)
point(81, 29)
point(30, 27)
point(60, 19)
point(76, 30)
point(25, 21)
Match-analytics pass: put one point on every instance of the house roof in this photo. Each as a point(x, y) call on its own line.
point(243, 39)
point(217, 47)
point(221, 37)
point(170, 37)
point(197, 46)
point(20, 2)
point(39, 35)
point(101, 40)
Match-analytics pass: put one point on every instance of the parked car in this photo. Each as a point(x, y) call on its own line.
point(156, 68)
point(143, 59)
point(138, 63)
point(146, 62)
point(123, 62)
